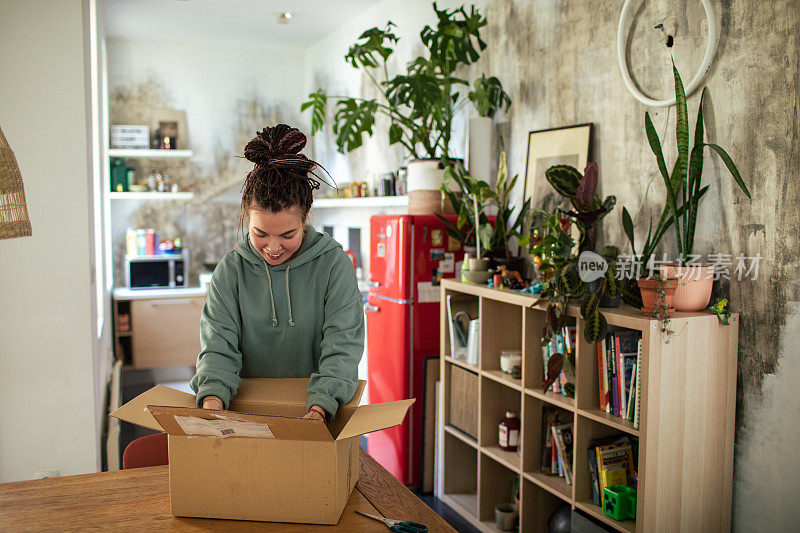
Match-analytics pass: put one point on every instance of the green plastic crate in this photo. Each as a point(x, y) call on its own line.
point(619, 502)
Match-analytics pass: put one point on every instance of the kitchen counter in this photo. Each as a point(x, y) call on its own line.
point(124, 293)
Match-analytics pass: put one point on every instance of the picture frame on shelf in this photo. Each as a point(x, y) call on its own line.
point(175, 121)
point(569, 145)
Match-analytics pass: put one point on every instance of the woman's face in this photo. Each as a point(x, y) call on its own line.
point(276, 235)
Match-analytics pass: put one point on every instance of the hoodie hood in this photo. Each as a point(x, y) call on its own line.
point(314, 244)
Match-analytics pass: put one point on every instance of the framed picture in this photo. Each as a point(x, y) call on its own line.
point(554, 146)
point(173, 121)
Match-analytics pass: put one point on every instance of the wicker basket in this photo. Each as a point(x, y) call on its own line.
point(464, 400)
point(14, 220)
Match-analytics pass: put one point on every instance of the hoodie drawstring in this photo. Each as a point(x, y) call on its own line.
point(289, 297)
point(272, 298)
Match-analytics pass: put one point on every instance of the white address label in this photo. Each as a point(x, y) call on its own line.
point(193, 425)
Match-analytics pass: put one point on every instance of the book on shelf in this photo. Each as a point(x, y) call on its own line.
point(638, 388)
point(562, 435)
point(551, 417)
point(612, 456)
point(617, 356)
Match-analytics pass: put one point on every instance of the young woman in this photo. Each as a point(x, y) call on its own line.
point(285, 302)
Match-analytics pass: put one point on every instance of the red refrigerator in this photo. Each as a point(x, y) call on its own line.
point(409, 254)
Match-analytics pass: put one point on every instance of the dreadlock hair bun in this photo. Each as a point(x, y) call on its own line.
point(282, 177)
point(279, 147)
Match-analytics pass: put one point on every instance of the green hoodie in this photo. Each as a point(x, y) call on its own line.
point(302, 318)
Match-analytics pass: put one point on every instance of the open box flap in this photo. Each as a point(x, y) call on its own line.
point(135, 411)
point(278, 396)
point(206, 422)
point(368, 418)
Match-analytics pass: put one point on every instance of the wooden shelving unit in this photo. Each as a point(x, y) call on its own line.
point(685, 465)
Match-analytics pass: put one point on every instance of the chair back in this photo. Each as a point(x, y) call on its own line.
point(146, 451)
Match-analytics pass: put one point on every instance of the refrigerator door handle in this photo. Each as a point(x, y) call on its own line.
point(368, 308)
point(375, 284)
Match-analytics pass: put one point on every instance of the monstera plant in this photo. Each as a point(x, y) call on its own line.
point(420, 103)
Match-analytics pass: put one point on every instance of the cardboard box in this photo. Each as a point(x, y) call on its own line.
point(260, 460)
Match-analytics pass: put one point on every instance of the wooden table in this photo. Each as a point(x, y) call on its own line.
point(138, 500)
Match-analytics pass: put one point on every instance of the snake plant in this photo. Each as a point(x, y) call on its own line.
point(683, 184)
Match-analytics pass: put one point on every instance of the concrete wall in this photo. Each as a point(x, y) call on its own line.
point(46, 327)
point(558, 61)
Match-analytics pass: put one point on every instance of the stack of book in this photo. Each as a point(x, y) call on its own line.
point(562, 342)
point(556, 443)
point(619, 365)
point(612, 461)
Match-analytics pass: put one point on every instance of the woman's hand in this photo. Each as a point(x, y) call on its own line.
point(212, 402)
point(316, 413)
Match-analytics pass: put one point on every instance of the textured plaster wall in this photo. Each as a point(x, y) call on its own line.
point(228, 93)
point(557, 59)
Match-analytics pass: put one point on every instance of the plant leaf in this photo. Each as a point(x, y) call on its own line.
point(565, 179)
point(352, 120)
point(584, 194)
point(627, 225)
point(555, 363)
point(317, 102)
point(731, 168)
point(596, 326)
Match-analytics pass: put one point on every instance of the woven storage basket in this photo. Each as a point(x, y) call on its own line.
point(464, 400)
point(14, 220)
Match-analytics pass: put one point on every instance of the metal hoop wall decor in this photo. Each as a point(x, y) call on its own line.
point(705, 66)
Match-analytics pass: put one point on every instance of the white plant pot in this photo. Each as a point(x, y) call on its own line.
point(424, 175)
point(481, 140)
point(425, 178)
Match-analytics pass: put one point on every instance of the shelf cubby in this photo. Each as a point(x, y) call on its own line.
point(688, 389)
point(496, 399)
point(461, 475)
point(587, 430)
point(537, 505)
point(532, 428)
point(501, 329)
point(496, 482)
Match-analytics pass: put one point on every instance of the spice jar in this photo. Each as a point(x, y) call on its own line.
point(509, 432)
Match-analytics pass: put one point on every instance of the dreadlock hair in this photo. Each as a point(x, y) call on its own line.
point(281, 177)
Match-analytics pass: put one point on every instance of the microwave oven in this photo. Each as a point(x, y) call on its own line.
point(156, 271)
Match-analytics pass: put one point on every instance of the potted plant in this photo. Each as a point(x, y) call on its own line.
point(684, 193)
point(488, 97)
point(420, 103)
point(588, 208)
point(471, 198)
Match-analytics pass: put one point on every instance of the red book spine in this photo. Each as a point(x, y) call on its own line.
point(620, 374)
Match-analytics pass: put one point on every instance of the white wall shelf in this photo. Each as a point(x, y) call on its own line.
point(368, 201)
point(151, 195)
point(151, 154)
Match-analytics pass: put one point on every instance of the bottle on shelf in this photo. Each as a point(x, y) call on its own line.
point(508, 436)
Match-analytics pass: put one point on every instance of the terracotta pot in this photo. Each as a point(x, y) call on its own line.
point(694, 285)
point(649, 287)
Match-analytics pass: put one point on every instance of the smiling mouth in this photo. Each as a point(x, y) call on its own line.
point(274, 256)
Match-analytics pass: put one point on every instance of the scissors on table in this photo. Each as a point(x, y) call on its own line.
point(401, 526)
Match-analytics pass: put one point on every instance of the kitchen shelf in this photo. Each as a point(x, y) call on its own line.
point(676, 406)
point(151, 195)
point(151, 154)
point(367, 201)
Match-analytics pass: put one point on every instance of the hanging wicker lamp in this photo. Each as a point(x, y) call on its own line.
point(14, 221)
